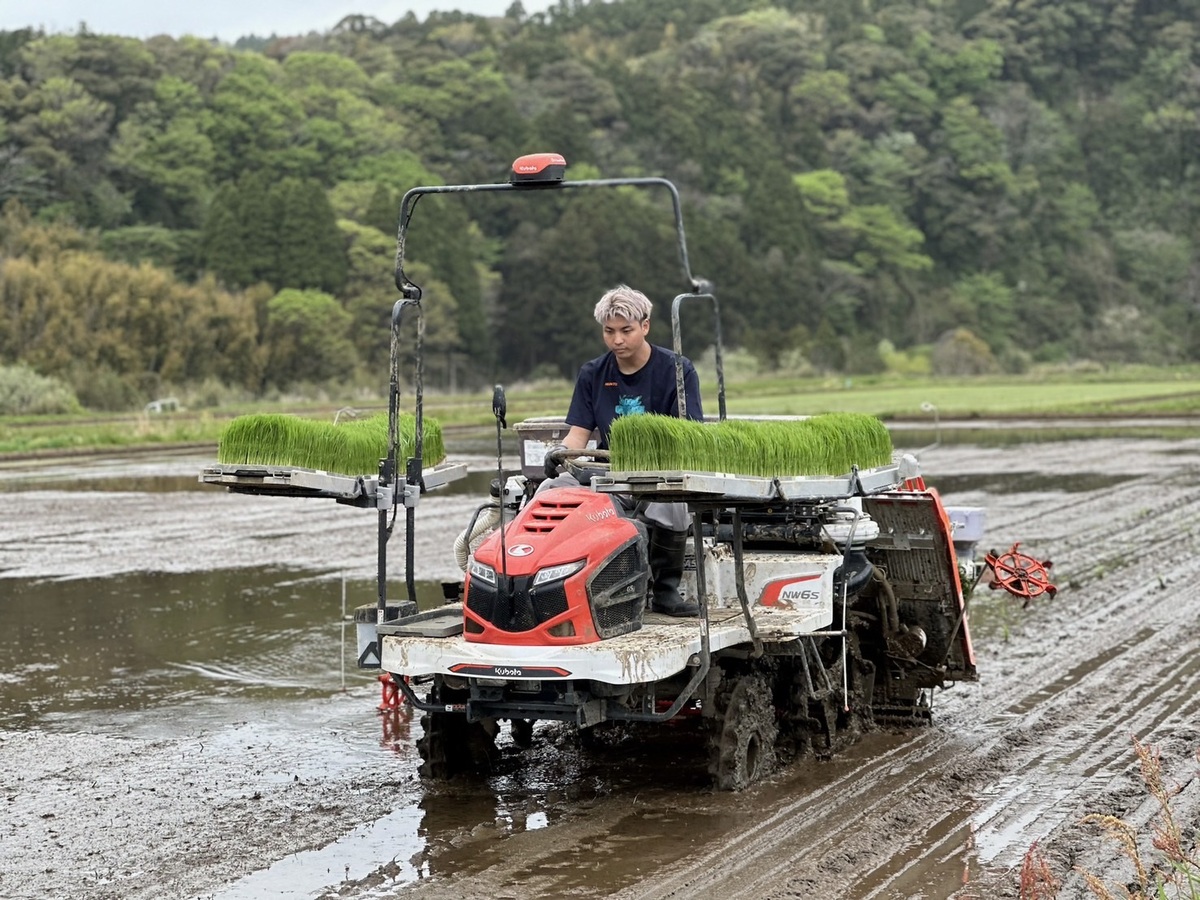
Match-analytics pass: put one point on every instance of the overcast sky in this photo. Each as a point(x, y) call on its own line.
point(225, 19)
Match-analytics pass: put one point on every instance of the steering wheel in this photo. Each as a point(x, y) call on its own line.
point(583, 464)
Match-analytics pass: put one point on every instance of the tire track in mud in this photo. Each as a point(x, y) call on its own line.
point(979, 794)
point(953, 811)
point(1085, 709)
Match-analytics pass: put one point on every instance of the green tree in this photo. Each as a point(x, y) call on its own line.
point(165, 247)
point(553, 278)
point(164, 152)
point(962, 352)
point(312, 253)
point(20, 178)
point(63, 130)
point(958, 159)
point(259, 210)
point(120, 72)
point(222, 241)
point(70, 312)
point(23, 392)
point(987, 306)
point(828, 353)
point(11, 43)
point(445, 238)
point(307, 338)
point(256, 125)
point(870, 255)
point(381, 211)
point(369, 293)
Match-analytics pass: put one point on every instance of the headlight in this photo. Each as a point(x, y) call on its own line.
point(557, 573)
point(482, 572)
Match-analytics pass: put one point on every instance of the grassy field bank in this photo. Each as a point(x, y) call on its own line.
point(1128, 394)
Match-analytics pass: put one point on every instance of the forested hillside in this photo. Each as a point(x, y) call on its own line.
point(1015, 181)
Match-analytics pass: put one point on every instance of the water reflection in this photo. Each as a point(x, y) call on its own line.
point(143, 640)
point(381, 848)
point(1007, 483)
point(454, 830)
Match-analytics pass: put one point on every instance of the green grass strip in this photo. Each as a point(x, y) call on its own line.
point(829, 444)
point(354, 447)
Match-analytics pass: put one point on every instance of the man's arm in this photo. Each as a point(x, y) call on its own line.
point(577, 437)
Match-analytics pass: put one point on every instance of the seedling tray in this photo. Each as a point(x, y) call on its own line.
point(708, 486)
point(292, 481)
point(684, 485)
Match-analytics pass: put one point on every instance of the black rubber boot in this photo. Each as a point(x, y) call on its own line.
point(666, 568)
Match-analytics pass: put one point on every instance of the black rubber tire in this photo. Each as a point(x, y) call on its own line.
point(450, 745)
point(522, 732)
point(743, 733)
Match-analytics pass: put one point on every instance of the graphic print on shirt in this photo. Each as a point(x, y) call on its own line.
point(630, 406)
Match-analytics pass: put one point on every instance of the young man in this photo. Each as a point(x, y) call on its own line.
point(632, 378)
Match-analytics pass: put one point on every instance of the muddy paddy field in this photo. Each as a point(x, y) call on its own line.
point(180, 716)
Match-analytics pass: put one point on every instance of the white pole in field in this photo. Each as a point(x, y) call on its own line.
point(343, 632)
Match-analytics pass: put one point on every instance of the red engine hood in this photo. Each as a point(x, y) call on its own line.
point(557, 526)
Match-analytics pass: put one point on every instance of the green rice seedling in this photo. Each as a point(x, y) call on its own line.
point(354, 447)
point(843, 436)
point(652, 443)
point(830, 444)
point(433, 448)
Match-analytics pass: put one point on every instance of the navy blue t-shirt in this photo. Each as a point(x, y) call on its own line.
point(602, 392)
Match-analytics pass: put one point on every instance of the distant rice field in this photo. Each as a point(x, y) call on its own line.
point(1121, 393)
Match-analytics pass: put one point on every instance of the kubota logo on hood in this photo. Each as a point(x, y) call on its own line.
point(520, 550)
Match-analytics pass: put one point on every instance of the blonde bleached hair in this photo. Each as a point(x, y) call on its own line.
point(625, 302)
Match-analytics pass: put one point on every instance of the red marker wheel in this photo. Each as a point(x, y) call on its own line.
point(1020, 574)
